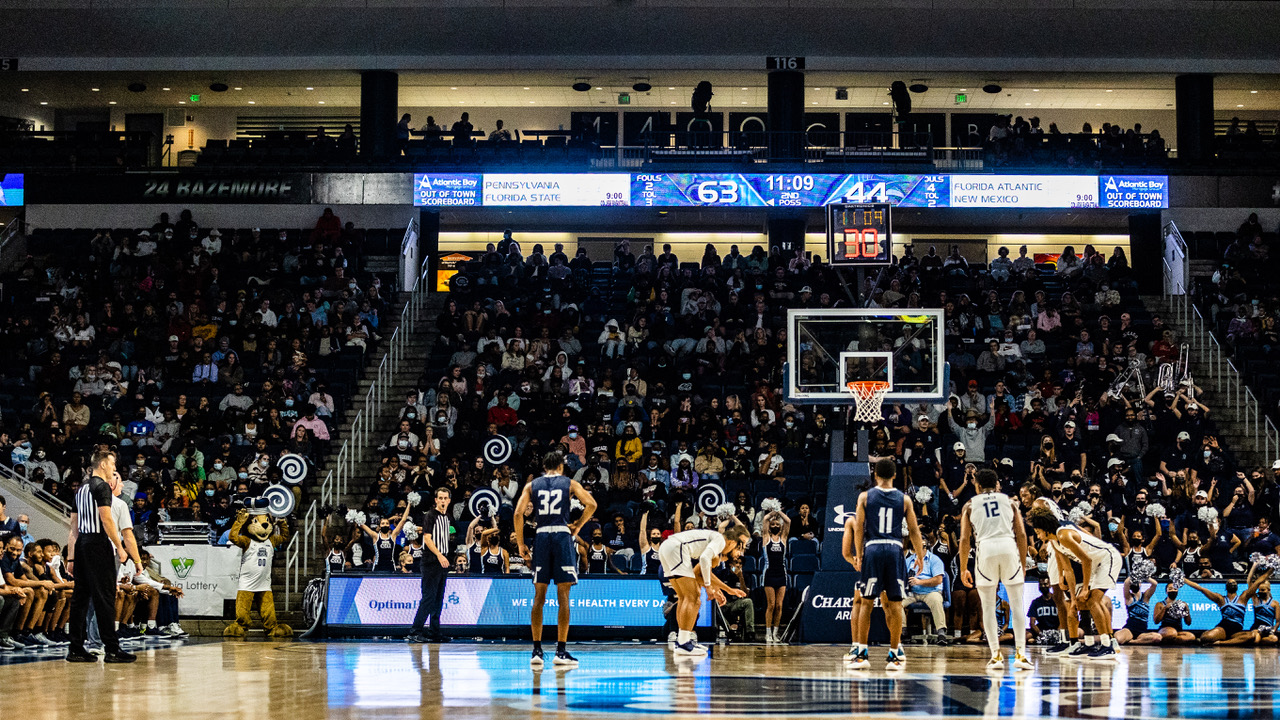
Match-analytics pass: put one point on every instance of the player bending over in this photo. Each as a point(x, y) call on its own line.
point(995, 526)
point(706, 549)
point(555, 556)
point(1100, 568)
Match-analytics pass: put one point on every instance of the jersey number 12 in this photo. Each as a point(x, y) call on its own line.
point(992, 508)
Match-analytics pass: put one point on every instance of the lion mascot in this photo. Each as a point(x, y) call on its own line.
point(258, 536)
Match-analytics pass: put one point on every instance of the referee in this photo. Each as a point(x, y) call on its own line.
point(436, 530)
point(94, 539)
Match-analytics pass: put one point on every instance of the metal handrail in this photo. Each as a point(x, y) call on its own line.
point(35, 490)
point(351, 454)
point(1223, 374)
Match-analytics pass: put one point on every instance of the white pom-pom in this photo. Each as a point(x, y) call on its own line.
point(1176, 576)
point(724, 511)
point(413, 499)
point(352, 515)
point(575, 505)
point(771, 505)
point(924, 495)
point(1155, 510)
point(1142, 570)
point(410, 531)
point(361, 518)
point(1077, 515)
point(1208, 514)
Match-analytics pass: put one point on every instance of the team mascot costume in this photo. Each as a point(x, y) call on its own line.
point(258, 535)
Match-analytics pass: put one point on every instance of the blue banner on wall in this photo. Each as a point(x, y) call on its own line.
point(848, 480)
point(497, 601)
point(11, 190)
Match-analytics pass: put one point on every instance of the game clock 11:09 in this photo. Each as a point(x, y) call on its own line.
point(859, 234)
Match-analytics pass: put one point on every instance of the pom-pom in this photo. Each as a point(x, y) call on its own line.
point(924, 495)
point(1142, 571)
point(1208, 514)
point(410, 532)
point(575, 505)
point(771, 505)
point(724, 511)
point(361, 518)
point(1077, 515)
point(1178, 609)
point(1176, 576)
point(353, 516)
point(1155, 510)
point(413, 499)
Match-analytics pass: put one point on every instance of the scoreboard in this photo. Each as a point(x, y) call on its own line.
point(859, 234)
point(796, 190)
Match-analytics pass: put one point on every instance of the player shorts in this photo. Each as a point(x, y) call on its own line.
point(884, 570)
point(555, 558)
point(675, 563)
point(998, 562)
point(1106, 570)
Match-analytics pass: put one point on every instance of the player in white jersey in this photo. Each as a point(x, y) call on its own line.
point(1062, 579)
point(995, 525)
point(1100, 569)
point(679, 554)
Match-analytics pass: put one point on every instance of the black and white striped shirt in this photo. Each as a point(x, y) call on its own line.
point(439, 526)
point(92, 495)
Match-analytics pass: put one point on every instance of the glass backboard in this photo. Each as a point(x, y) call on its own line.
point(828, 348)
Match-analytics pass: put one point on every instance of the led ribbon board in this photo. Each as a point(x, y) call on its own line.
point(668, 190)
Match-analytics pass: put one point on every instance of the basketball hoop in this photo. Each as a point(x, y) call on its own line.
point(869, 397)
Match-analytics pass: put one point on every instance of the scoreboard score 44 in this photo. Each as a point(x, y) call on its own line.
point(859, 234)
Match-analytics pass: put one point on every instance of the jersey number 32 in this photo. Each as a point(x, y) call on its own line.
point(549, 501)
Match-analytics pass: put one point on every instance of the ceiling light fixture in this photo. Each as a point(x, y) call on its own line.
point(137, 87)
point(321, 102)
point(671, 88)
point(26, 89)
point(1253, 92)
point(1035, 89)
point(1109, 91)
point(1239, 106)
point(581, 85)
point(112, 102)
point(252, 102)
point(182, 102)
point(526, 88)
point(231, 88)
point(94, 89)
point(641, 86)
point(42, 102)
point(217, 87)
point(991, 89)
point(311, 88)
point(918, 88)
point(167, 89)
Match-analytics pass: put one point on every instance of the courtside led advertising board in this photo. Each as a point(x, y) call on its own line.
point(801, 190)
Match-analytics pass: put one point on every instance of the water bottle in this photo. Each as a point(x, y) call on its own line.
point(722, 639)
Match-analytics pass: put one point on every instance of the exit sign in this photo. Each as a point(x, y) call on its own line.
point(195, 98)
point(961, 98)
point(624, 98)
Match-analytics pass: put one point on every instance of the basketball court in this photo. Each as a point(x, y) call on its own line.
point(395, 680)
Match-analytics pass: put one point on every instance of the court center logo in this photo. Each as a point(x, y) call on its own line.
point(182, 566)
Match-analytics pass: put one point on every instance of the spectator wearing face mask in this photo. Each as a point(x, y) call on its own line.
point(576, 444)
point(973, 435)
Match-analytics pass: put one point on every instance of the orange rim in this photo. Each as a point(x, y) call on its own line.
point(866, 388)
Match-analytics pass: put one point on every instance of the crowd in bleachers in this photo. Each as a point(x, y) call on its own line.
point(1015, 141)
point(658, 376)
point(204, 354)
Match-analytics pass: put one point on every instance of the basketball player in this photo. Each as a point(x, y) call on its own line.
point(882, 510)
point(995, 526)
point(384, 542)
point(1061, 576)
point(555, 555)
point(706, 549)
point(1099, 569)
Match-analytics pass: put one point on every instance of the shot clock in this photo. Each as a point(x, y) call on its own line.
point(859, 234)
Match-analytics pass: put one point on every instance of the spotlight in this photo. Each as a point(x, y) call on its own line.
point(991, 89)
point(217, 87)
point(137, 87)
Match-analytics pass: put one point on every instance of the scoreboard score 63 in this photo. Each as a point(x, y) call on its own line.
point(859, 234)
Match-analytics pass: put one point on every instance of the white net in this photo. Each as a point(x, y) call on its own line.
point(868, 397)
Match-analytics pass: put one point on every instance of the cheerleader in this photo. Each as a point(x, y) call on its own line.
point(1137, 601)
point(475, 543)
point(1264, 613)
point(384, 542)
point(413, 551)
point(650, 540)
point(494, 559)
point(1173, 615)
point(595, 559)
point(336, 561)
point(774, 544)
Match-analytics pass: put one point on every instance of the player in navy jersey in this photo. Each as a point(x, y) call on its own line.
point(555, 554)
point(882, 511)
